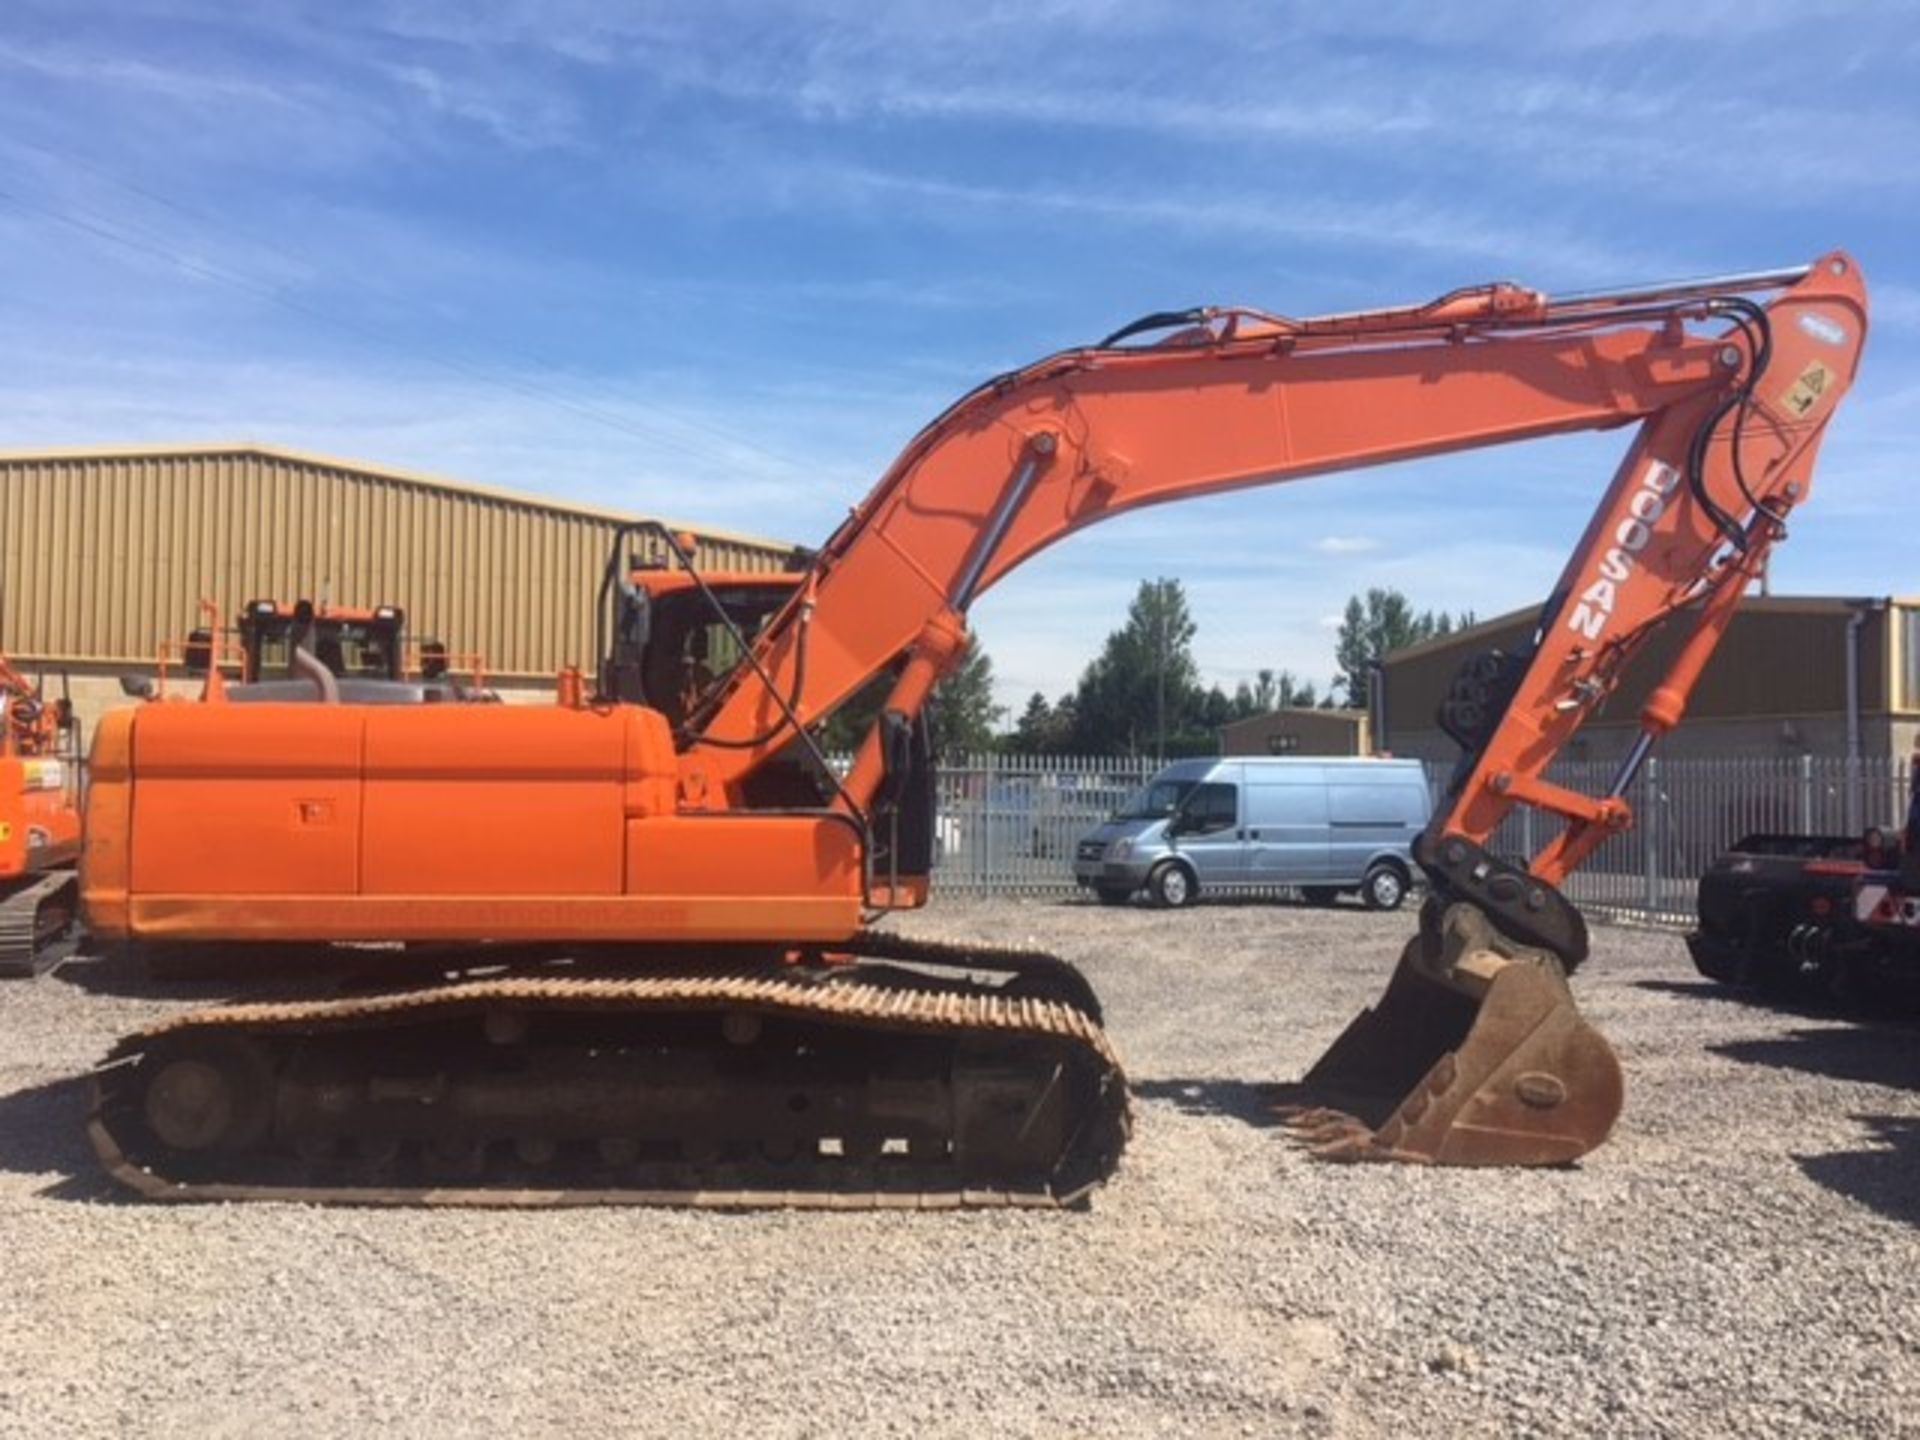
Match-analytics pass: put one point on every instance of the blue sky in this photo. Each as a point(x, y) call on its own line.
point(719, 261)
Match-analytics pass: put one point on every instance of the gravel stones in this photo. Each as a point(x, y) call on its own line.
point(1743, 1255)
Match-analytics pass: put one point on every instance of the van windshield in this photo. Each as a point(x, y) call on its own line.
point(1155, 800)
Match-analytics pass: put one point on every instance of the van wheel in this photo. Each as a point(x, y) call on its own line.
point(1172, 886)
point(1112, 894)
point(1384, 888)
point(1320, 894)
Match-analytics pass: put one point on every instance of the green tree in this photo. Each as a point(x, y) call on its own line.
point(963, 712)
point(1273, 690)
point(1043, 729)
point(1140, 692)
point(1033, 731)
point(964, 715)
point(1293, 694)
point(1372, 629)
point(1213, 710)
point(1066, 722)
point(1254, 699)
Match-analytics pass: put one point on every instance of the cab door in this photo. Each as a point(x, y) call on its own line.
point(1207, 831)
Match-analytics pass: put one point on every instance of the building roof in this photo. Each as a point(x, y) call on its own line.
point(1296, 712)
point(1754, 604)
point(392, 473)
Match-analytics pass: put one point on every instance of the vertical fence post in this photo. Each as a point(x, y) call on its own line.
point(1806, 794)
point(1852, 807)
point(989, 875)
point(1650, 812)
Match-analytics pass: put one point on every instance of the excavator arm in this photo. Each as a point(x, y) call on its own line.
point(1236, 399)
point(1476, 1055)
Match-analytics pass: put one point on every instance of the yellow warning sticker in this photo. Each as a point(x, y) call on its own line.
point(1808, 390)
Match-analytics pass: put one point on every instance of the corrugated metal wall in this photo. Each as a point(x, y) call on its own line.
point(104, 557)
point(1786, 656)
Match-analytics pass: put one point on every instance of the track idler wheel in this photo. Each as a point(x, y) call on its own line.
point(210, 1098)
point(1476, 1055)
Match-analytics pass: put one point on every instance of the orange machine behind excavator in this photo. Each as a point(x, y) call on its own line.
point(39, 822)
point(669, 891)
point(280, 650)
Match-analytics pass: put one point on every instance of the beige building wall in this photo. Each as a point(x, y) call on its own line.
point(1297, 732)
point(106, 554)
point(1777, 685)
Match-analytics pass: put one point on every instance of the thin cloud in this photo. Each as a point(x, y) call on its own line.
point(1462, 105)
point(519, 116)
point(1406, 226)
point(1346, 544)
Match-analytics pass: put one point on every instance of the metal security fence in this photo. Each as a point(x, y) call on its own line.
point(1688, 811)
point(1008, 824)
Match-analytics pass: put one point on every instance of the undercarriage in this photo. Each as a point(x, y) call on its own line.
point(33, 914)
point(853, 1084)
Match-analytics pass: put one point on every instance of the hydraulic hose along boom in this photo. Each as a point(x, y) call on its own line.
point(723, 1021)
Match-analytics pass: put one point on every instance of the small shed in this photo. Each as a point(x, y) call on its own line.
point(1298, 731)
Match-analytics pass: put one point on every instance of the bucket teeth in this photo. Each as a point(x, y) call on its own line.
point(1476, 1055)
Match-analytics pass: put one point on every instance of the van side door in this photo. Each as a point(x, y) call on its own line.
point(1371, 815)
point(1209, 833)
point(1287, 826)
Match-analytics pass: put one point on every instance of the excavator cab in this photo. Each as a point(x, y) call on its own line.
point(693, 640)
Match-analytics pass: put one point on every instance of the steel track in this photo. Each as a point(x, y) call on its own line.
point(1059, 1049)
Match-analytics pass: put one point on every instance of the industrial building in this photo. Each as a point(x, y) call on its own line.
point(107, 554)
point(1804, 675)
point(1297, 730)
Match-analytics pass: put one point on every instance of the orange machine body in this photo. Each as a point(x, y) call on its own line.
point(608, 822)
point(365, 822)
point(39, 822)
point(39, 782)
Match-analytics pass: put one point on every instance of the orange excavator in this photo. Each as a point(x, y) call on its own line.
point(39, 822)
point(644, 911)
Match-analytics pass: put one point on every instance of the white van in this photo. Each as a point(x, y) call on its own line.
point(1325, 827)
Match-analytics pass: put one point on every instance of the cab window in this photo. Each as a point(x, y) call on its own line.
point(1210, 808)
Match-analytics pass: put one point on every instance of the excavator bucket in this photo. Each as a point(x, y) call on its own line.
point(1474, 1056)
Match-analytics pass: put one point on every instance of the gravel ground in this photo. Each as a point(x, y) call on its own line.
point(1743, 1257)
